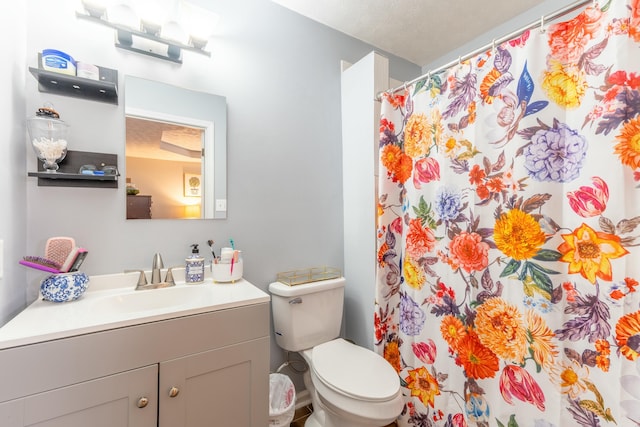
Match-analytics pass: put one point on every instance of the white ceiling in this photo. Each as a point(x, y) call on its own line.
point(420, 31)
point(150, 139)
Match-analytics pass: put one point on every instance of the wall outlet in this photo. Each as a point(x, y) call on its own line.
point(221, 205)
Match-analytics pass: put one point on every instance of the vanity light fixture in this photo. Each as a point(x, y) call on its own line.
point(143, 28)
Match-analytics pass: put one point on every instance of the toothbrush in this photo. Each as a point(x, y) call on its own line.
point(211, 242)
point(232, 257)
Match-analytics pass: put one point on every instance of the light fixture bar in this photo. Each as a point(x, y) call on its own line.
point(125, 40)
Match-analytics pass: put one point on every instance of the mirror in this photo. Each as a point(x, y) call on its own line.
point(175, 154)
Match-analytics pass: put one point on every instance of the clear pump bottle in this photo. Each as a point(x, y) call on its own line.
point(194, 267)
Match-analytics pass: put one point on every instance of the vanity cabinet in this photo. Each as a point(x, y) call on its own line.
point(204, 369)
point(138, 207)
point(104, 402)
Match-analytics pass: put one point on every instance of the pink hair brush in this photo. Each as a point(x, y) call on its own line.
point(58, 249)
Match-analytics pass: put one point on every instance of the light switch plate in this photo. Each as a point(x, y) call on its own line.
point(221, 205)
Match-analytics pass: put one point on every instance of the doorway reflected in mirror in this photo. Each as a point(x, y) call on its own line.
point(165, 162)
point(175, 152)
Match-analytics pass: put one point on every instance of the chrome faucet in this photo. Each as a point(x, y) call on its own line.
point(156, 272)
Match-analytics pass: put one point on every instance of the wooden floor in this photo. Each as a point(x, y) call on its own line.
point(302, 413)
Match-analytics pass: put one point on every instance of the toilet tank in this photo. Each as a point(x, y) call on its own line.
point(308, 314)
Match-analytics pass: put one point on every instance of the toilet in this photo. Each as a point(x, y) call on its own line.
point(350, 386)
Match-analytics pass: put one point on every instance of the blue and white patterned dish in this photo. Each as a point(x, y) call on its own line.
point(64, 287)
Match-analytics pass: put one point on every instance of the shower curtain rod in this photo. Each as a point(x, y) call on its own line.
point(557, 14)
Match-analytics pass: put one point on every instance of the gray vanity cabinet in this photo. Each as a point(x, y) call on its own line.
point(213, 388)
point(104, 402)
point(209, 369)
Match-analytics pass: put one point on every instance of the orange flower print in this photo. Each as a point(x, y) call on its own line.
point(500, 328)
point(486, 85)
point(386, 126)
point(469, 251)
point(398, 164)
point(568, 40)
point(477, 360)
point(628, 146)
point(628, 335)
point(423, 385)
point(452, 330)
point(518, 235)
point(634, 25)
point(381, 253)
point(476, 175)
point(392, 355)
point(588, 252)
point(420, 240)
point(602, 359)
point(397, 100)
point(541, 338)
point(417, 136)
point(483, 192)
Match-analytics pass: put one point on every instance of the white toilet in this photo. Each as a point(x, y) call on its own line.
point(349, 385)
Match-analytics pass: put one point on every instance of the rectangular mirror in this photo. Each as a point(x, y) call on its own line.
point(175, 154)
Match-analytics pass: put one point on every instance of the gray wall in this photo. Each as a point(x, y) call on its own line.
point(13, 224)
point(280, 73)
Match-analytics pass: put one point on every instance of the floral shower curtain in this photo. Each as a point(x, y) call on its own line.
point(509, 231)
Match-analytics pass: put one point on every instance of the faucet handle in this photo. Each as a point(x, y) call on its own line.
point(142, 278)
point(168, 279)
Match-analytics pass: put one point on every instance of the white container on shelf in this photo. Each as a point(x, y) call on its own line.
point(88, 71)
point(58, 62)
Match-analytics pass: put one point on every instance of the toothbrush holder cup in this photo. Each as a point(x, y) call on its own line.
point(226, 269)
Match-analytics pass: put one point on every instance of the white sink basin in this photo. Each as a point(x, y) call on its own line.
point(151, 299)
point(111, 302)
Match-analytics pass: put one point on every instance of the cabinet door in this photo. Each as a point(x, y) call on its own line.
point(223, 387)
point(112, 401)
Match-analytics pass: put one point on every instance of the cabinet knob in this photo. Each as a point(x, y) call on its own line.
point(173, 391)
point(142, 402)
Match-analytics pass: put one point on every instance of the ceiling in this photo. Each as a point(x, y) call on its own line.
point(420, 31)
point(150, 139)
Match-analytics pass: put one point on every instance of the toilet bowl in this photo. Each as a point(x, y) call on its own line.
point(351, 386)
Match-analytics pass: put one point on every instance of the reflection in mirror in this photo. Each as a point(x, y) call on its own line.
point(175, 152)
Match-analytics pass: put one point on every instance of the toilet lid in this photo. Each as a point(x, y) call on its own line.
point(355, 371)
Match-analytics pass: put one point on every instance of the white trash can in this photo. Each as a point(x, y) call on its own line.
point(282, 400)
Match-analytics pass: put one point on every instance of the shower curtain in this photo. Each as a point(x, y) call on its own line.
point(508, 256)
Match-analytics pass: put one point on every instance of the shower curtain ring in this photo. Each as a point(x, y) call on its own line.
point(493, 47)
point(542, 24)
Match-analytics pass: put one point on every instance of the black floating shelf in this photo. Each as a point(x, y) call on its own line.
point(67, 175)
point(103, 90)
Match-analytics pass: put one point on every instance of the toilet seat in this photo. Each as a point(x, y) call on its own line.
point(354, 371)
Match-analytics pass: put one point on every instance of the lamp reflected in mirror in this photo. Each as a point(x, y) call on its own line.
point(175, 152)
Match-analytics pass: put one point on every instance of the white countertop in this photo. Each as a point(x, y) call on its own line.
point(112, 302)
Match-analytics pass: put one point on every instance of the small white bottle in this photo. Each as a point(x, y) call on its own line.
point(194, 267)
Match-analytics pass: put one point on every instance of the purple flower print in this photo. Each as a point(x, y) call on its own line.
point(412, 317)
point(448, 203)
point(555, 154)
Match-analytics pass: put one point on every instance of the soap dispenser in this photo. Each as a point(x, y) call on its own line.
point(194, 269)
